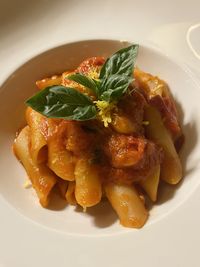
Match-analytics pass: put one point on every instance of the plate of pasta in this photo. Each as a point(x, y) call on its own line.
point(104, 134)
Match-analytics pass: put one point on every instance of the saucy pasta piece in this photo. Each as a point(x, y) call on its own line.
point(122, 124)
point(60, 160)
point(54, 80)
point(38, 143)
point(150, 184)
point(127, 204)
point(171, 169)
point(42, 179)
point(88, 190)
point(158, 94)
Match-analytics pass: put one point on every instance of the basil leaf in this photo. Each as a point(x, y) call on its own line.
point(117, 72)
point(122, 62)
point(85, 81)
point(63, 102)
point(114, 87)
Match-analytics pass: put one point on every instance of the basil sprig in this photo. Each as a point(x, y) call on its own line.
point(67, 103)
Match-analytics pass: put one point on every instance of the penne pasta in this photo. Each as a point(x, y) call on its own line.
point(171, 169)
point(152, 85)
point(123, 124)
point(88, 190)
point(158, 95)
point(150, 184)
point(42, 178)
point(60, 160)
point(54, 80)
point(127, 204)
point(38, 144)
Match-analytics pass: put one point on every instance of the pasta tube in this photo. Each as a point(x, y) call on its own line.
point(171, 169)
point(54, 80)
point(38, 144)
point(60, 160)
point(88, 186)
point(42, 179)
point(150, 184)
point(123, 124)
point(127, 204)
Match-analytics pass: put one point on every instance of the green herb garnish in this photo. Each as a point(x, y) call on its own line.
point(67, 103)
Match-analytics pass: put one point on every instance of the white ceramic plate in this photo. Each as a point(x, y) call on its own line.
point(62, 234)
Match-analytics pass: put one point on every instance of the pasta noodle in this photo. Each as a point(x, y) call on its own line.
point(171, 169)
point(42, 179)
point(122, 124)
point(54, 80)
point(88, 185)
point(150, 184)
point(60, 160)
point(127, 204)
point(38, 144)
